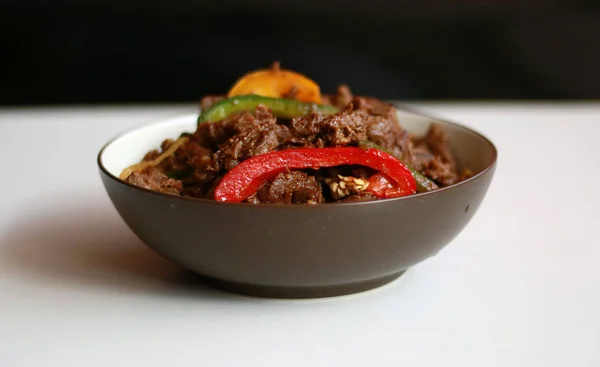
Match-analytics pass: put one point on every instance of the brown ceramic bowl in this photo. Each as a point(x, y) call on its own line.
point(297, 251)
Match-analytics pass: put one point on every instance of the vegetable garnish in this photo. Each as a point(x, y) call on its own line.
point(423, 183)
point(280, 107)
point(247, 177)
point(277, 83)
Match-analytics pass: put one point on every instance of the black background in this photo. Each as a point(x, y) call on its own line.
point(102, 52)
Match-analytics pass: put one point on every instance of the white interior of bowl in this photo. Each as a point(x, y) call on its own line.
point(131, 147)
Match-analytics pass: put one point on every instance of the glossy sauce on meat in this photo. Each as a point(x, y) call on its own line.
point(215, 148)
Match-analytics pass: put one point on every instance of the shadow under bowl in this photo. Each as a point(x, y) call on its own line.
point(297, 251)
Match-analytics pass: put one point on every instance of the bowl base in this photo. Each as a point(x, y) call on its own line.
point(299, 292)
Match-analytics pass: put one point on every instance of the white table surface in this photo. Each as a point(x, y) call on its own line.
point(520, 286)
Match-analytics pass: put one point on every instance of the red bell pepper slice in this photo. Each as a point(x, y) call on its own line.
point(247, 177)
point(381, 187)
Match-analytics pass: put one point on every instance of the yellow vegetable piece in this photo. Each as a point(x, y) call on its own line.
point(277, 83)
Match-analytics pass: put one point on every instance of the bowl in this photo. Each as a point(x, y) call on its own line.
point(297, 251)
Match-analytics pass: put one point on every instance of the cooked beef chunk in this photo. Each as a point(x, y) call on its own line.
point(345, 128)
point(200, 160)
point(177, 161)
point(375, 107)
point(441, 172)
point(437, 141)
point(194, 155)
point(385, 130)
point(289, 188)
point(242, 137)
point(218, 147)
point(433, 157)
point(388, 134)
point(341, 99)
point(420, 157)
point(154, 179)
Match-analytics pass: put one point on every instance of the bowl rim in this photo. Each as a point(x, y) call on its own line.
point(400, 107)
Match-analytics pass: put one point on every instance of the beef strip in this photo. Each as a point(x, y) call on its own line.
point(194, 164)
point(294, 187)
point(246, 136)
point(437, 141)
point(420, 157)
point(441, 172)
point(345, 128)
point(381, 121)
point(348, 127)
point(341, 99)
point(432, 157)
point(216, 148)
point(154, 179)
point(375, 107)
point(386, 130)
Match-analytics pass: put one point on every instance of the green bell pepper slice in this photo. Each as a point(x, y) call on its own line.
point(280, 107)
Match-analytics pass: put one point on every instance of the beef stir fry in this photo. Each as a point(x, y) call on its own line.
point(275, 139)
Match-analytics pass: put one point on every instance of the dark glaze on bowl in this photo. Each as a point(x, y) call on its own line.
point(298, 251)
